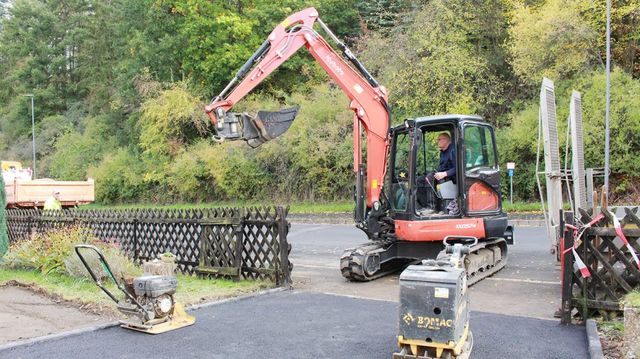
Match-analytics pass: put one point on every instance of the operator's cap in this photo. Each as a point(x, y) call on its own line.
point(55, 191)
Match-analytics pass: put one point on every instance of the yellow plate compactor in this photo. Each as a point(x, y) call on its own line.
point(434, 306)
point(148, 303)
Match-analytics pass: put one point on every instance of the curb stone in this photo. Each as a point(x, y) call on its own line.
point(595, 346)
point(74, 332)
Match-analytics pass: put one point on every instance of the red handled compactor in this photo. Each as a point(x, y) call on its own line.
point(405, 212)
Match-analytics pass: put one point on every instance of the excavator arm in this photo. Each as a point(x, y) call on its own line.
point(368, 101)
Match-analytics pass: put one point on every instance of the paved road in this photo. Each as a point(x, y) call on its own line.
point(327, 317)
point(528, 286)
point(303, 324)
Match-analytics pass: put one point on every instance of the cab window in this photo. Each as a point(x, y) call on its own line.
point(400, 172)
point(478, 148)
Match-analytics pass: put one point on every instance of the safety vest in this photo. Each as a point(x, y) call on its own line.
point(52, 203)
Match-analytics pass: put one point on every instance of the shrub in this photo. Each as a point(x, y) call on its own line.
point(120, 265)
point(119, 177)
point(53, 252)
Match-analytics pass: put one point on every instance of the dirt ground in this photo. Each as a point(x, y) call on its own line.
point(28, 313)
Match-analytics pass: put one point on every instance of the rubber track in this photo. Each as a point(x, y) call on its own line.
point(473, 278)
point(352, 262)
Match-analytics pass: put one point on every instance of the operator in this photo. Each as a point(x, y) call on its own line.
point(447, 165)
point(53, 203)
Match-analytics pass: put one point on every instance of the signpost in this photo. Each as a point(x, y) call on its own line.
point(511, 166)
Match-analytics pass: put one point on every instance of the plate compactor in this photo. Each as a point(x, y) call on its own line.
point(434, 306)
point(149, 303)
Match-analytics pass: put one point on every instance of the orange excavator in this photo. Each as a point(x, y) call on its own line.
point(405, 212)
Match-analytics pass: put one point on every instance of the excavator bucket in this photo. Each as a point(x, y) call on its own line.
point(257, 130)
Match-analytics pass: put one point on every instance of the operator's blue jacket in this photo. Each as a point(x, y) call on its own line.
point(448, 161)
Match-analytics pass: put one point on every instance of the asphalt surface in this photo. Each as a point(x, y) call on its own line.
point(297, 324)
point(327, 317)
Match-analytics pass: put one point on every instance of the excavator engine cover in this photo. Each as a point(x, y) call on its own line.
point(265, 126)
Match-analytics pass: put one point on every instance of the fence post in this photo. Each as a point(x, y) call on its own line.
point(283, 228)
point(135, 238)
point(30, 221)
point(566, 259)
point(239, 242)
point(202, 243)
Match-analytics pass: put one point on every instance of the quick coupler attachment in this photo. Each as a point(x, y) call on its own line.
point(265, 126)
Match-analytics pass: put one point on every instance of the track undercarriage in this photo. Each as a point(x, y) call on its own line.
point(376, 259)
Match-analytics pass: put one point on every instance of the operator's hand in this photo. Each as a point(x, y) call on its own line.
point(440, 175)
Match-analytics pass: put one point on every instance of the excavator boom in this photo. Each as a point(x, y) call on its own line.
point(368, 101)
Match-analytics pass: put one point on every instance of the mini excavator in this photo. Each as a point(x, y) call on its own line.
point(399, 205)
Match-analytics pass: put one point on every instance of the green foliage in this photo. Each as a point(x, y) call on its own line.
point(119, 177)
point(624, 126)
point(4, 238)
point(189, 176)
point(167, 121)
point(442, 63)
point(518, 143)
point(633, 298)
point(625, 31)
point(236, 173)
point(120, 85)
point(386, 16)
point(551, 40)
point(314, 159)
point(53, 252)
point(75, 152)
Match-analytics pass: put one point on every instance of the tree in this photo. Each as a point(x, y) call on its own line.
point(445, 62)
point(551, 41)
point(386, 16)
point(625, 31)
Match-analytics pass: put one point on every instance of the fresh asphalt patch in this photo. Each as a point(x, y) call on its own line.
point(302, 324)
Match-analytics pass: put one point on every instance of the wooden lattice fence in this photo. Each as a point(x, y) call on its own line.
point(609, 271)
point(233, 242)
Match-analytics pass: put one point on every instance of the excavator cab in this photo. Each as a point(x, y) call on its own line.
point(473, 191)
point(414, 160)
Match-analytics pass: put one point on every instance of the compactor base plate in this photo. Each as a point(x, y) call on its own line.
point(179, 319)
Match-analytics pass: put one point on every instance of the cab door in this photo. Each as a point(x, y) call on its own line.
point(481, 173)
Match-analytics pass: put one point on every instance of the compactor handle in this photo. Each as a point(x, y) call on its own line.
point(104, 264)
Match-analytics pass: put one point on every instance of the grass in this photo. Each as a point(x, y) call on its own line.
point(633, 298)
point(298, 208)
point(521, 206)
point(191, 290)
point(302, 207)
point(612, 325)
